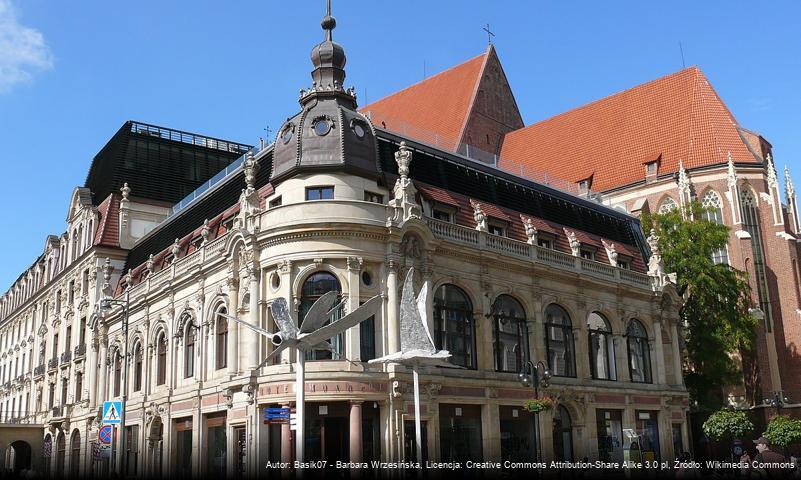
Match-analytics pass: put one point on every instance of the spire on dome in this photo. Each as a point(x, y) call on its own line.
point(328, 58)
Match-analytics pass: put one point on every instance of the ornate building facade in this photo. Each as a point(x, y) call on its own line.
point(517, 271)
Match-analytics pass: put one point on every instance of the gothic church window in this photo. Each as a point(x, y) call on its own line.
point(668, 205)
point(713, 212)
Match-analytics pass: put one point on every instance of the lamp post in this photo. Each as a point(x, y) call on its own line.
point(530, 376)
point(778, 401)
point(106, 305)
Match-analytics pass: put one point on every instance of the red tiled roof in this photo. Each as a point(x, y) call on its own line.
point(108, 231)
point(437, 105)
point(679, 116)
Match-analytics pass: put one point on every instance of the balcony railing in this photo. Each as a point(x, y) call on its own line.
point(57, 412)
point(66, 357)
point(20, 379)
point(80, 350)
point(39, 370)
point(52, 363)
point(17, 417)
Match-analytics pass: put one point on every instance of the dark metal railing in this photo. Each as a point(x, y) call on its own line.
point(39, 370)
point(66, 357)
point(190, 138)
point(52, 363)
point(80, 350)
point(57, 411)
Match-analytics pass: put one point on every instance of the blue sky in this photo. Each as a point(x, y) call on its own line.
point(72, 72)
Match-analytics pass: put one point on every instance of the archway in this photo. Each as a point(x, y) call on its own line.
point(19, 456)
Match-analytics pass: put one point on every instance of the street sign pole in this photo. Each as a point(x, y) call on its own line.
point(300, 405)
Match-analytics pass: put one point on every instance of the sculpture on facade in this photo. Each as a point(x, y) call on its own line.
point(531, 230)
point(575, 245)
point(480, 217)
point(403, 203)
point(416, 345)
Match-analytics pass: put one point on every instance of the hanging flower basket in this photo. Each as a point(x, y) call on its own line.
point(536, 405)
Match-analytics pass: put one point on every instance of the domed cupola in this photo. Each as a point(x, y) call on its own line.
point(328, 133)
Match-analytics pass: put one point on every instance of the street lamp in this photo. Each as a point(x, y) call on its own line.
point(530, 376)
point(106, 304)
point(778, 401)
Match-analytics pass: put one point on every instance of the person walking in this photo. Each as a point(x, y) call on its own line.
point(770, 458)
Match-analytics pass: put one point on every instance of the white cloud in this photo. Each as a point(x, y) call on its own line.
point(23, 50)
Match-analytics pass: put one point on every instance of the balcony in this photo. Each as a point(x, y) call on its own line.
point(39, 370)
point(52, 363)
point(66, 357)
point(57, 412)
point(80, 350)
point(18, 417)
point(20, 379)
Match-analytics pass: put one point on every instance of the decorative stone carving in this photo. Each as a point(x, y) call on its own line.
point(107, 269)
point(788, 185)
point(126, 191)
point(398, 388)
point(355, 264)
point(611, 252)
point(285, 266)
point(251, 167)
point(127, 280)
point(410, 246)
point(731, 176)
point(175, 250)
point(149, 265)
point(531, 230)
point(772, 176)
point(575, 245)
point(250, 390)
point(480, 217)
point(404, 202)
point(205, 231)
point(683, 183)
point(228, 395)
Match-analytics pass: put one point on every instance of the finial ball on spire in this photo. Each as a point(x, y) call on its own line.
point(329, 23)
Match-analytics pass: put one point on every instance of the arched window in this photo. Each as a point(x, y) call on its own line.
point(137, 386)
point(668, 204)
point(559, 342)
point(455, 329)
point(315, 286)
point(713, 212)
point(602, 348)
point(161, 359)
point(117, 372)
point(221, 335)
point(750, 215)
point(189, 349)
point(639, 352)
point(510, 334)
point(61, 451)
point(48, 440)
point(75, 453)
point(562, 435)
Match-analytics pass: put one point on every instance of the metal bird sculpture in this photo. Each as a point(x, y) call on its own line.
point(416, 344)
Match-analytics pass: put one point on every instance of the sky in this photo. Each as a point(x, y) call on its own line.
point(72, 72)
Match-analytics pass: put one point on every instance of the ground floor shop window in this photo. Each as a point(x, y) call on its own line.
point(327, 428)
point(610, 435)
point(410, 440)
point(216, 448)
point(518, 434)
point(562, 434)
point(460, 433)
point(648, 431)
point(678, 440)
point(131, 449)
point(240, 447)
point(183, 448)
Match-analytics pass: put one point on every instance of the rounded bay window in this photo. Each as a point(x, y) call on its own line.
point(454, 327)
point(316, 285)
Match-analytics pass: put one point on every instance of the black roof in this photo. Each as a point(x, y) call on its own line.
point(434, 167)
point(158, 163)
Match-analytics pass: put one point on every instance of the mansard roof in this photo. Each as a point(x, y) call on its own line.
point(158, 163)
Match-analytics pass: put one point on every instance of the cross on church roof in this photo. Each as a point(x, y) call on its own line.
point(489, 34)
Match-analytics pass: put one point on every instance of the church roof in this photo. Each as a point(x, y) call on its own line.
point(676, 117)
point(439, 105)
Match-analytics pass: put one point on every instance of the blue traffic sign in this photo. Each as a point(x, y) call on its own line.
point(105, 434)
point(112, 412)
point(271, 413)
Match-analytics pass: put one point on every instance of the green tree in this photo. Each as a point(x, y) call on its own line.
point(715, 313)
point(783, 431)
point(727, 424)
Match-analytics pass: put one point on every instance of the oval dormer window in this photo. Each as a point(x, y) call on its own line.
point(322, 126)
point(358, 128)
point(286, 133)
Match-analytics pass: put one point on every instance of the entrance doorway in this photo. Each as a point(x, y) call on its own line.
point(518, 438)
point(410, 441)
point(19, 456)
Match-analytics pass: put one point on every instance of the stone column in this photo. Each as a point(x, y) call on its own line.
point(536, 331)
point(233, 328)
point(91, 371)
point(103, 382)
point(621, 358)
point(491, 431)
point(580, 342)
point(393, 325)
point(353, 335)
point(659, 355)
point(251, 338)
point(356, 447)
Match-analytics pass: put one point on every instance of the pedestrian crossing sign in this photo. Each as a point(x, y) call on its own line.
point(111, 412)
